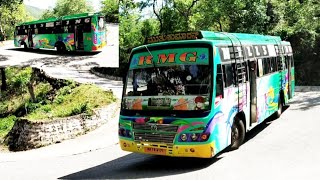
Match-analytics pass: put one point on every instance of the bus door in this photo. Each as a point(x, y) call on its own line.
point(253, 90)
point(79, 37)
point(30, 40)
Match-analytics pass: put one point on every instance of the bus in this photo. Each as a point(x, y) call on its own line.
point(194, 94)
point(79, 32)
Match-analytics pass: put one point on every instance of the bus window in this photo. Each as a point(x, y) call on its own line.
point(219, 82)
point(286, 59)
point(228, 75)
point(87, 25)
point(266, 65)
point(101, 23)
point(260, 68)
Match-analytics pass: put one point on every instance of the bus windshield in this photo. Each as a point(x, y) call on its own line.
point(170, 79)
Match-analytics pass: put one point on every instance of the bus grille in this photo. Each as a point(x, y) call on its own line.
point(159, 133)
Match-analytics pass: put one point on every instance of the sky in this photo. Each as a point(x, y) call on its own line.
point(45, 4)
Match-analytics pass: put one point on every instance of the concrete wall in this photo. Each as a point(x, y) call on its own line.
point(307, 88)
point(26, 134)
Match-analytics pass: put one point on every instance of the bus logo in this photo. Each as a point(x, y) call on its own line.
point(154, 127)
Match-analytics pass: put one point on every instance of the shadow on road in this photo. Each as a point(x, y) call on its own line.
point(306, 101)
point(53, 52)
point(260, 127)
point(136, 166)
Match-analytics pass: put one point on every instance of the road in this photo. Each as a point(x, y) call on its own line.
point(285, 148)
point(71, 65)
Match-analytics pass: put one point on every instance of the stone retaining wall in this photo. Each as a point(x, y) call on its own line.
point(26, 134)
point(105, 75)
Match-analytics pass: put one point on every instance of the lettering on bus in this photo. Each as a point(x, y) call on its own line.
point(167, 58)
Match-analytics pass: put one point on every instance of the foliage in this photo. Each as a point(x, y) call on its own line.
point(295, 21)
point(17, 79)
point(111, 9)
point(67, 7)
point(6, 124)
point(71, 101)
point(10, 16)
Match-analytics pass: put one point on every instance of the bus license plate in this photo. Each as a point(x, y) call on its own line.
point(155, 150)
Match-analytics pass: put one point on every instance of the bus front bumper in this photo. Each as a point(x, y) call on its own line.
point(200, 151)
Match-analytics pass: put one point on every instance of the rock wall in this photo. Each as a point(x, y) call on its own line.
point(26, 134)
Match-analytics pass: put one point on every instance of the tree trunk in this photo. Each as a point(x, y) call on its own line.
point(3, 79)
point(31, 87)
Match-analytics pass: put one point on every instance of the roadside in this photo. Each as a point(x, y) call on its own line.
point(102, 137)
point(6, 43)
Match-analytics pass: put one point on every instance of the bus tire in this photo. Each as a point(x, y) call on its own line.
point(24, 45)
point(280, 108)
point(61, 48)
point(237, 133)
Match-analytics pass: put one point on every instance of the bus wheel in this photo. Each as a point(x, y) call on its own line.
point(280, 108)
point(25, 46)
point(237, 133)
point(61, 48)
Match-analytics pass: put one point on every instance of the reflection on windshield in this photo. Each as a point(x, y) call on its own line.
point(169, 80)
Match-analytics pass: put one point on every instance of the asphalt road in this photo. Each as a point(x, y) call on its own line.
point(285, 148)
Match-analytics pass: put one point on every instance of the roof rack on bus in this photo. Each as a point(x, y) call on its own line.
point(178, 36)
point(209, 35)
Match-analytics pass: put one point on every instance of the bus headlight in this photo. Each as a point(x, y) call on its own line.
point(183, 137)
point(194, 137)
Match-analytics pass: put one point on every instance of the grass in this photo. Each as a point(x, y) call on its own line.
point(5, 125)
point(72, 101)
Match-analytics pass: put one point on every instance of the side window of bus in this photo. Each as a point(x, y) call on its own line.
point(279, 63)
point(286, 61)
point(260, 68)
point(266, 66)
point(71, 29)
point(274, 67)
point(101, 23)
point(87, 25)
point(228, 75)
point(219, 82)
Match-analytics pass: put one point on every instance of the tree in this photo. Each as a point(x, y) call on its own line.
point(3, 79)
point(68, 7)
point(111, 9)
point(11, 13)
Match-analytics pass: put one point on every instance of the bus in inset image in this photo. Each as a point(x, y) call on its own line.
point(79, 32)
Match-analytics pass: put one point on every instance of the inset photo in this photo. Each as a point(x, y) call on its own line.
point(68, 33)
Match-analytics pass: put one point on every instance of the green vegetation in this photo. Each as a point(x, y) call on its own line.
point(12, 12)
point(71, 101)
point(296, 21)
point(67, 7)
point(50, 101)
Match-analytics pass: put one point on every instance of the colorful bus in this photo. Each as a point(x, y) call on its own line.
point(79, 32)
point(194, 94)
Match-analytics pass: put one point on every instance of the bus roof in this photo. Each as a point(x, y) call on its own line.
point(74, 16)
point(210, 35)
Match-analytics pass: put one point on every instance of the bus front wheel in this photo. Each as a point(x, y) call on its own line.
point(280, 108)
point(237, 133)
